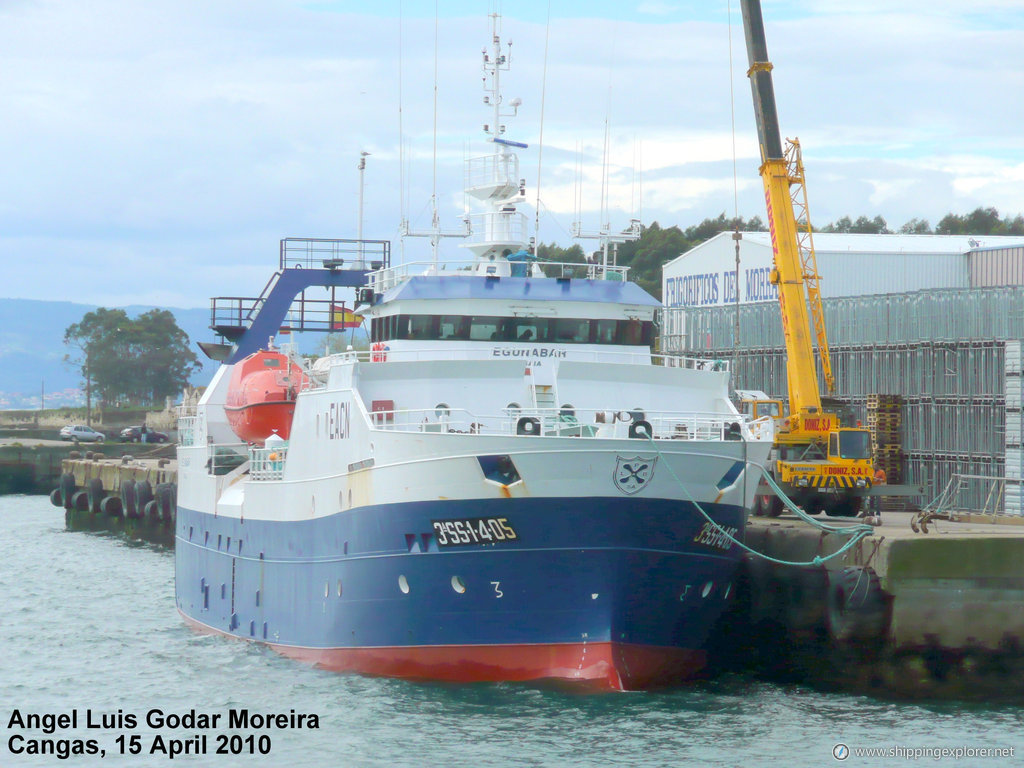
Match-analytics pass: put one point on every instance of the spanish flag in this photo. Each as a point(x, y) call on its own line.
point(342, 317)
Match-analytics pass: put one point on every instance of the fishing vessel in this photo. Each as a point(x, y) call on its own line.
point(507, 486)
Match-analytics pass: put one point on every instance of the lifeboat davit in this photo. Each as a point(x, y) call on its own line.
point(261, 395)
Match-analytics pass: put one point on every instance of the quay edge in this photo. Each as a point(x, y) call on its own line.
point(136, 497)
point(901, 614)
point(30, 468)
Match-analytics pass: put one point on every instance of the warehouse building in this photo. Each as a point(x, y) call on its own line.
point(935, 320)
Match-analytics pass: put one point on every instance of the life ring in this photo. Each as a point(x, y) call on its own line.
point(857, 607)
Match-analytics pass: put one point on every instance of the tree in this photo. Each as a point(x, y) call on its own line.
point(124, 360)
point(980, 221)
point(916, 227)
point(862, 226)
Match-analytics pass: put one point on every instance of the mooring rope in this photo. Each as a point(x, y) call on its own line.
point(857, 532)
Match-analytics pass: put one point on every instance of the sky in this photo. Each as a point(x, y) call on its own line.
point(156, 151)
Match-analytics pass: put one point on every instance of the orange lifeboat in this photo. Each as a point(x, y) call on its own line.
point(261, 395)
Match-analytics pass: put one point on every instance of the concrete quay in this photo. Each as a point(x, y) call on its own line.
point(133, 496)
point(902, 614)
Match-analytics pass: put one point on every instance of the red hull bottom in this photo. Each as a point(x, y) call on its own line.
point(599, 665)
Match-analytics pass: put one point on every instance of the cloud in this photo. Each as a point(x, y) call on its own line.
point(161, 149)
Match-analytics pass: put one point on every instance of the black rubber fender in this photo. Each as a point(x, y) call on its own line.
point(143, 495)
point(80, 501)
point(152, 510)
point(131, 510)
point(111, 505)
point(67, 489)
point(857, 608)
point(55, 498)
point(166, 499)
point(96, 494)
point(806, 597)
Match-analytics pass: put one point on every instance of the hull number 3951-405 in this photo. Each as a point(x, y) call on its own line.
point(473, 530)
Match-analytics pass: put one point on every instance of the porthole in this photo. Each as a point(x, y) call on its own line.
point(458, 584)
point(728, 589)
point(327, 589)
point(707, 589)
point(513, 409)
point(339, 587)
point(403, 584)
point(442, 410)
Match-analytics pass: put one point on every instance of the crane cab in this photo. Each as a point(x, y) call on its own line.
point(755, 404)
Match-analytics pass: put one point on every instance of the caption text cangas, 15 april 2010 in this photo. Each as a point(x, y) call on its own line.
point(130, 733)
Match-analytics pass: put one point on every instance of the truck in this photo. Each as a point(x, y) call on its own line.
point(820, 462)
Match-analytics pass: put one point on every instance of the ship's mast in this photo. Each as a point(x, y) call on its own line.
point(493, 180)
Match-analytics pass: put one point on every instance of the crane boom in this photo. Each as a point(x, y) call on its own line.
point(788, 269)
point(818, 463)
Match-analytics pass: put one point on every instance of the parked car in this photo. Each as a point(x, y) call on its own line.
point(81, 433)
point(134, 435)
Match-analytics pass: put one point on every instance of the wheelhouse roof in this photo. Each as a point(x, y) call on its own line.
point(464, 287)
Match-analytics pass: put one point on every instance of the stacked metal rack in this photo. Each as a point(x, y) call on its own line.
point(953, 356)
point(1014, 431)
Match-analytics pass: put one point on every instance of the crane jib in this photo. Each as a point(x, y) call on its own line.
point(761, 85)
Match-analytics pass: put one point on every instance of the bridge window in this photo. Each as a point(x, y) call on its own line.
point(533, 330)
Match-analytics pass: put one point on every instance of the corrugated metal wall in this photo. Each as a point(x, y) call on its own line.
point(945, 352)
point(857, 273)
point(997, 266)
point(940, 315)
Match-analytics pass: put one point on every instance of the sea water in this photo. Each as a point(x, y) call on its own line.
point(94, 657)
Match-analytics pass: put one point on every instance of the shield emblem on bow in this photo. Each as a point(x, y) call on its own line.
point(633, 473)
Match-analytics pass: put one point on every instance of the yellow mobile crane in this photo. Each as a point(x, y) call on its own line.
point(819, 463)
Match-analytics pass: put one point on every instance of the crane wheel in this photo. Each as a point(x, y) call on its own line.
point(845, 508)
point(768, 505)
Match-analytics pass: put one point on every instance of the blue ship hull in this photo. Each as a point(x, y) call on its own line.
point(619, 592)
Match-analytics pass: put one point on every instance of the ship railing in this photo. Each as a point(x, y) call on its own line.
point(226, 457)
point(323, 253)
point(448, 350)
point(384, 279)
point(585, 423)
point(491, 171)
point(695, 363)
point(267, 463)
point(505, 225)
